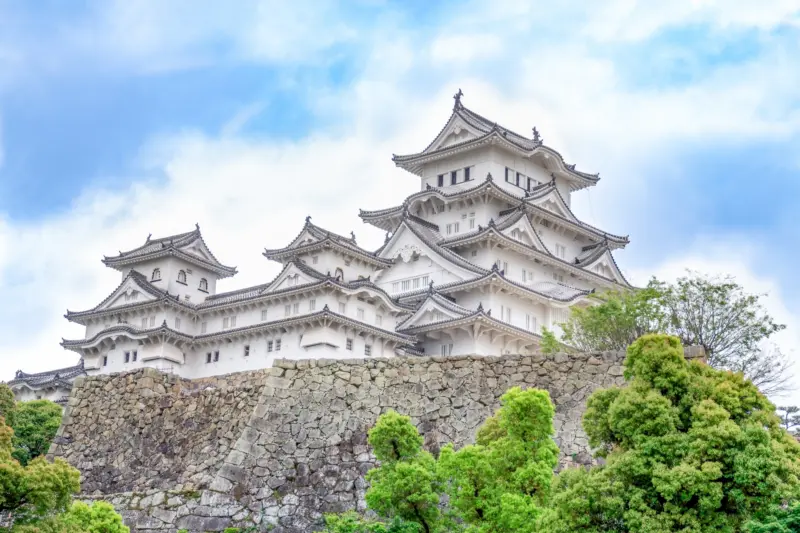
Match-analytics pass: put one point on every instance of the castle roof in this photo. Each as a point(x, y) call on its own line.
point(188, 246)
point(314, 238)
point(388, 218)
point(52, 378)
point(484, 131)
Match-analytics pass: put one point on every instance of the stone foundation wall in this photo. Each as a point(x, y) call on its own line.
point(278, 448)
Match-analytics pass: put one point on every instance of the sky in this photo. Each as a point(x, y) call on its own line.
point(121, 118)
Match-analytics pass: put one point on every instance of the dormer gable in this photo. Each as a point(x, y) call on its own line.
point(522, 231)
point(551, 200)
point(293, 275)
point(455, 131)
point(436, 308)
point(600, 261)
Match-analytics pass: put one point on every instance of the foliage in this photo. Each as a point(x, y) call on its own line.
point(352, 522)
point(687, 448)
point(98, 517)
point(549, 342)
point(790, 420)
point(501, 483)
point(7, 403)
point(713, 312)
point(618, 319)
point(35, 423)
point(781, 521)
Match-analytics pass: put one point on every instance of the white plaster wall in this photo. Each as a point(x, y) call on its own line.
point(24, 394)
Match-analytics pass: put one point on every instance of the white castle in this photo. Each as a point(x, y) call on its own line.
point(484, 256)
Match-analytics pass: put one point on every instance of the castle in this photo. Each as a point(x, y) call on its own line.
point(477, 262)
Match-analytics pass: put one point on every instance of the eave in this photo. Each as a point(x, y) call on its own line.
point(478, 316)
point(287, 254)
point(121, 261)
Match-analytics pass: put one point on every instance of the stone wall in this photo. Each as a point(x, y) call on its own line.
point(284, 448)
point(143, 429)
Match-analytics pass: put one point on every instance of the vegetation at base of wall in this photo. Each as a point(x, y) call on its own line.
point(550, 343)
point(37, 497)
point(686, 448)
point(35, 423)
point(713, 312)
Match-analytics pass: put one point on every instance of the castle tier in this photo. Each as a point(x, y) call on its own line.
point(487, 254)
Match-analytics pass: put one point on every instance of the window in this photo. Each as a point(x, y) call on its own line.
point(505, 313)
point(406, 284)
point(466, 174)
point(152, 321)
point(440, 180)
point(177, 323)
point(347, 262)
point(296, 308)
point(204, 284)
point(449, 229)
point(367, 349)
point(269, 346)
point(474, 253)
point(182, 276)
point(519, 178)
point(456, 227)
point(134, 355)
point(278, 345)
point(530, 322)
point(425, 280)
point(342, 308)
point(360, 314)
point(416, 283)
point(348, 344)
point(312, 304)
point(216, 356)
point(527, 276)
point(560, 316)
point(247, 350)
point(339, 274)
point(472, 221)
point(105, 360)
point(263, 315)
point(156, 275)
point(287, 310)
point(558, 277)
point(447, 349)
point(203, 327)
point(508, 173)
point(127, 357)
point(453, 177)
point(561, 251)
point(144, 322)
point(532, 183)
point(378, 320)
point(502, 265)
point(225, 322)
point(395, 286)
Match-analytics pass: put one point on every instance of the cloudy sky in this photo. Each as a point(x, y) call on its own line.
point(124, 118)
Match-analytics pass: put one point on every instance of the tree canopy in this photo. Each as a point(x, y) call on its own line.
point(713, 312)
point(35, 423)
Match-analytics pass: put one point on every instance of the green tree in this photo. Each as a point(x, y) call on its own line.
point(781, 521)
point(790, 420)
point(7, 403)
point(714, 312)
point(99, 517)
point(29, 493)
point(617, 319)
point(687, 448)
point(550, 343)
point(35, 423)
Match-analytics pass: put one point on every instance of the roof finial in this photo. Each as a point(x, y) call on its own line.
point(148, 237)
point(353, 236)
point(457, 98)
point(308, 219)
point(197, 226)
point(480, 307)
point(489, 177)
point(553, 176)
point(326, 308)
point(536, 137)
point(430, 288)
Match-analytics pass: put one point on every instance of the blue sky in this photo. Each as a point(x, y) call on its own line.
point(123, 118)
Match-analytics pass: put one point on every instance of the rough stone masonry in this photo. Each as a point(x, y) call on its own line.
point(280, 447)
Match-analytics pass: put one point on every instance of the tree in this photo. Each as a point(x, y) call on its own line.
point(713, 312)
point(35, 423)
point(789, 419)
point(687, 448)
point(99, 517)
point(617, 319)
point(34, 491)
point(549, 342)
point(500, 483)
point(781, 521)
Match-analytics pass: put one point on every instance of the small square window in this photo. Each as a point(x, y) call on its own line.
point(152, 321)
point(342, 308)
point(177, 323)
point(440, 180)
point(233, 321)
point(216, 355)
point(360, 314)
point(203, 327)
point(208, 357)
point(127, 357)
point(367, 349)
point(269, 346)
point(263, 315)
point(296, 308)
point(278, 345)
point(134, 355)
point(348, 344)
point(378, 320)
point(246, 351)
point(466, 174)
point(453, 177)
point(287, 310)
point(312, 304)
point(105, 360)
point(314, 259)
point(225, 322)
point(144, 322)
